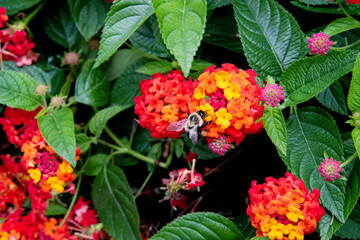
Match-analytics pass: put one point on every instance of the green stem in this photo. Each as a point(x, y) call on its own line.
point(120, 149)
point(33, 14)
point(349, 160)
point(114, 137)
point(141, 52)
point(144, 184)
point(146, 159)
point(345, 47)
point(73, 200)
point(344, 11)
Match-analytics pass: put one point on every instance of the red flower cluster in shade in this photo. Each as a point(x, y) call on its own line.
point(164, 99)
point(284, 208)
point(39, 160)
point(15, 45)
point(353, 1)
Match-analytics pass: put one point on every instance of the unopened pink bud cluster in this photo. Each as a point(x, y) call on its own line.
point(330, 169)
point(319, 43)
point(220, 145)
point(272, 94)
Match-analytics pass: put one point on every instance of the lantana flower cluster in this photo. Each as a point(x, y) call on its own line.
point(330, 169)
point(319, 43)
point(230, 98)
point(16, 45)
point(284, 208)
point(164, 99)
point(45, 167)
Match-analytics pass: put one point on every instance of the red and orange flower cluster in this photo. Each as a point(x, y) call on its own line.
point(15, 44)
point(44, 166)
point(284, 208)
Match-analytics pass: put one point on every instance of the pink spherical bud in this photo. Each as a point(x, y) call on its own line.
point(330, 169)
point(57, 101)
point(220, 146)
point(319, 43)
point(272, 94)
point(71, 58)
point(41, 89)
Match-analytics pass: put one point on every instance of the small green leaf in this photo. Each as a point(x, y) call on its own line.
point(356, 138)
point(57, 128)
point(274, 124)
point(98, 122)
point(316, 2)
point(92, 88)
point(179, 147)
point(341, 25)
point(307, 77)
point(159, 66)
point(212, 4)
point(115, 204)
point(244, 225)
point(200, 65)
point(354, 91)
point(14, 6)
point(83, 142)
point(182, 24)
point(266, 30)
point(199, 226)
point(60, 27)
point(312, 131)
point(95, 164)
point(333, 97)
point(122, 20)
point(55, 209)
point(307, 7)
point(351, 229)
point(89, 16)
point(17, 90)
point(260, 238)
point(202, 150)
point(155, 151)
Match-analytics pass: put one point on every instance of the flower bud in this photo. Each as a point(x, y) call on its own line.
point(57, 101)
point(41, 89)
point(71, 58)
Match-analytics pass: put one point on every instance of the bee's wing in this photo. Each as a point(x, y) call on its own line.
point(193, 134)
point(176, 126)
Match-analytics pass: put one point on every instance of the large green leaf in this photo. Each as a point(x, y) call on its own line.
point(95, 164)
point(182, 25)
point(222, 31)
point(351, 229)
point(311, 131)
point(271, 37)
point(57, 128)
point(212, 4)
point(199, 226)
point(98, 122)
point(341, 25)
point(89, 16)
point(354, 91)
point(159, 66)
point(92, 88)
point(307, 77)
point(115, 204)
point(147, 38)
point(14, 6)
point(274, 124)
point(122, 20)
point(60, 27)
point(333, 97)
point(17, 90)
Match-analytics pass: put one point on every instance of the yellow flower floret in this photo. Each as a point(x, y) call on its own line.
point(222, 79)
point(199, 93)
point(223, 117)
point(232, 92)
point(294, 214)
point(208, 110)
point(35, 174)
point(65, 167)
point(56, 183)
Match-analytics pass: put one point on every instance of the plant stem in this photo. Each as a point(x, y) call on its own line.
point(146, 159)
point(141, 52)
point(33, 14)
point(73, 200)
point(349, 160)
point(114, 137)
point(344, 11)
point(111, 145)
point(144, 183)
point(345, 47)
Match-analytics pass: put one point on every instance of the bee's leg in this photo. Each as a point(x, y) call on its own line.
point(206, 123)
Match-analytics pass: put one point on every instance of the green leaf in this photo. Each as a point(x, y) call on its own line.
point(14, 6)
point(83, 142)
point(266, 30)
point(17, 90)
point(89, 16)
point(92, 88)
point(179, 147)
point(99, 120)
point(351, 229)
point(115, 204)
point(274, 124)
point(341, 25)
point(316, 2)
point(127, 86)
point(260, 238)
point(159, 66)
point(155, 151)
point(199, 226)
point(55, 209)
point(308, 77)
point(333, 97)
point(202, 150)
point(147, 38)
point(60, 27)
point(122, 20)
point(182, 24)
point(353, 99)
point(200, 65)
point(222, 31)
point(95, 164)
point(356, 138)
point(312, 131)
point(244, 224)
point(307, 7)
point(212, 4)
point(57, 128)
